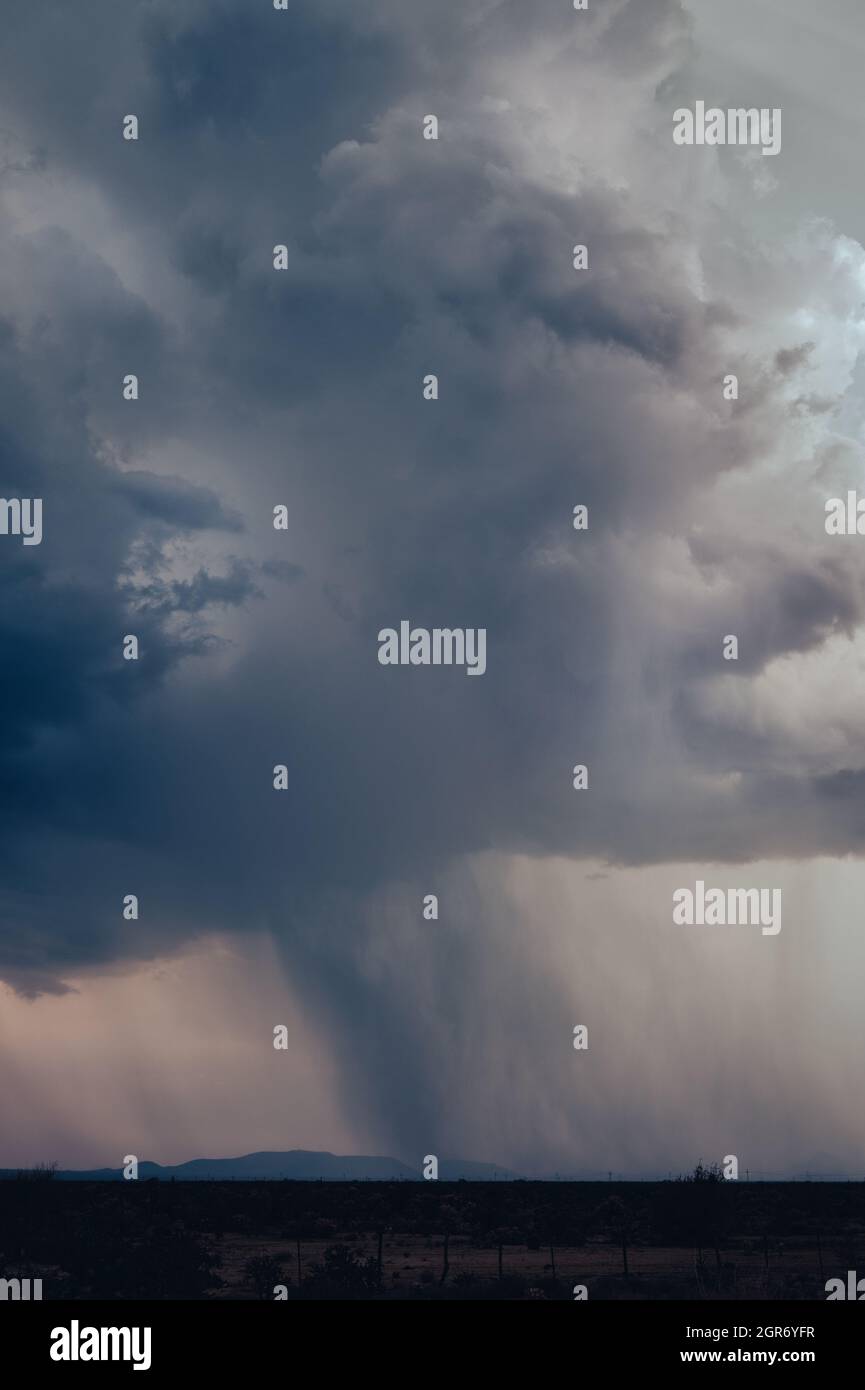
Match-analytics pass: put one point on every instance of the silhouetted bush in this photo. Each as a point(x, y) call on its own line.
point(263, 1273)
point(342, 1272)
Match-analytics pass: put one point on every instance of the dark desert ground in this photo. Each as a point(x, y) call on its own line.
point(692, 1238)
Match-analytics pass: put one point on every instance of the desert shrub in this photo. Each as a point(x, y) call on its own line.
point(343, 1273)
point(262, 1273)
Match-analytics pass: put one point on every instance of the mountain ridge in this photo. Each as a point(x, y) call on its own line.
point(314, 1165)
point(300, 1165)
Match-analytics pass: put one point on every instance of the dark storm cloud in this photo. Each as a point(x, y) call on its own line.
point(171, 500)
point(202, 591)
point(483, 260)
point(303, 388)
point(788, 359)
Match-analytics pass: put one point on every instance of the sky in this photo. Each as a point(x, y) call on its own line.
point(302, 388)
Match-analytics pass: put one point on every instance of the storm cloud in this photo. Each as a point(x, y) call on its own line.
point(303, 388)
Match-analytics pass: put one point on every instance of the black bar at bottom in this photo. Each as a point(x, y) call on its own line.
point(224, 1338)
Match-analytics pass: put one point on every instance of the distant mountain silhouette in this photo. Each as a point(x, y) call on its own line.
point(301, 1165)
point(304, 1165)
